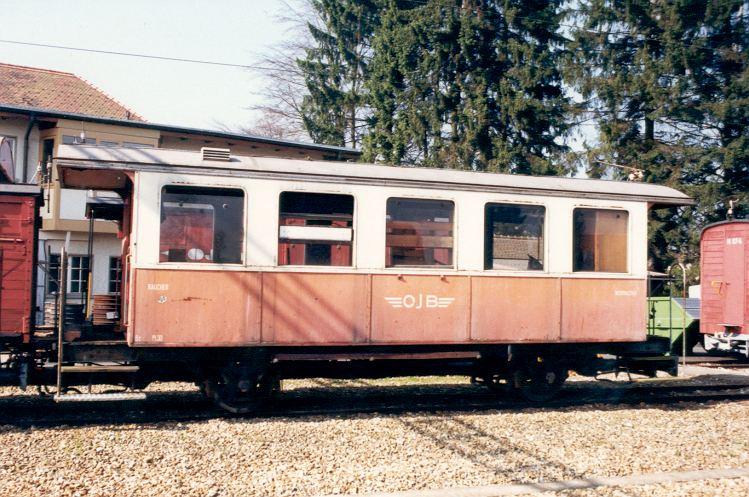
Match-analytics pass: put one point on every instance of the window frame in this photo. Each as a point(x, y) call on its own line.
point(628, 232)
point(15, 147)
point(354, 227)
point(88, 140)
point(118, 272)
point(89, 271)
point(14, 155)
point(245, 228)
point(456, 230)
point(50, 280)
point(546, 243)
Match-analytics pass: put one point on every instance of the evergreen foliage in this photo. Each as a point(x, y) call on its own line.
point(667, 84)
point(335, 69)
point(484, 85)
point(469, 84)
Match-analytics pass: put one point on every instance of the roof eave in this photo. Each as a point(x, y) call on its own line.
point(51, 113)
point(77, 163)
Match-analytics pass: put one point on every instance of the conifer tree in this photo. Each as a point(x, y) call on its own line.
point(470, 84)
point(666, 84)
point(335, 69)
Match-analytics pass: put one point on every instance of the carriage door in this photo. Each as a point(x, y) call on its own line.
point(16, 263)
point(734, 274)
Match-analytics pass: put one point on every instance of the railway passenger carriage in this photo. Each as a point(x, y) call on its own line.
point(239, 270)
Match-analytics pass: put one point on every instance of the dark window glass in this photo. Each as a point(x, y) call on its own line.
point(48, 148)
point(514, 237)
point(53, 273)
point(419, 232)
point(600, 240)
point(115, 274)
point(201, 225)
point(78, 273)
point(315, 229)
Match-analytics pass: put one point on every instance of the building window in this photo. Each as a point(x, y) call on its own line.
point(201, 225)
point(419, 232)
point(600, 240)
point(315, 229)
point(76, 140)
point(136, 145)
point(78, 273)
point(8, 156)
point(115, 274)
point(53, 273)
point(514, 237)
point(48, 149)
point(105, 143)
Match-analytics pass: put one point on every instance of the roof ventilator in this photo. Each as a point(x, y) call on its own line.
point(216, 154)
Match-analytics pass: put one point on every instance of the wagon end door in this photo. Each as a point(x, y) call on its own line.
point(735, 279)
point(16, 264)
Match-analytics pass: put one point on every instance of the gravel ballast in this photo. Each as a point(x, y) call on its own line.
point(381, 453)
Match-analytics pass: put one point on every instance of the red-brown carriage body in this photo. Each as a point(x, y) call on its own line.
point(18, 242)
point(724, 270)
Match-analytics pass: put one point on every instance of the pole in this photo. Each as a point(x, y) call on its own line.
point(62, 297)
point(683, 314)
point(89, 254)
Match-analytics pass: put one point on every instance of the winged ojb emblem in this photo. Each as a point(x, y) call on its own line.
point(420, 301)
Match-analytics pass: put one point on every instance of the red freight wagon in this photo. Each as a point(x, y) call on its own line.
point(18, 237)
point(725, 286)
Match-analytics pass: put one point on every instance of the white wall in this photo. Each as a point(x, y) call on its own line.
point(73, 204)
point(105, 246)
point(16, 128)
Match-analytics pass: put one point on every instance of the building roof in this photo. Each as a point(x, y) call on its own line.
point(190, 162)
point(340, 152)
point(60, 91)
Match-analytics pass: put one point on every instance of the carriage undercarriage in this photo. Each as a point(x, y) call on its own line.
point(240, 380)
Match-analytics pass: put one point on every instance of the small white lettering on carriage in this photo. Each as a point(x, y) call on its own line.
point(157, 338)
point(420, 301)
point(734, 241)
point(625, 293)
point(158, 286)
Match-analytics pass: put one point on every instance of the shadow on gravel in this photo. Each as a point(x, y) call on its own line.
point(480, 448)
point(329, 399)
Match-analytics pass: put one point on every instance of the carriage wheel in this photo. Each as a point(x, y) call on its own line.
point(240, 388)
point(538, 381)
point(496, 382)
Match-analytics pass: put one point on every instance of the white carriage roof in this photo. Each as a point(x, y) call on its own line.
point(191, 162)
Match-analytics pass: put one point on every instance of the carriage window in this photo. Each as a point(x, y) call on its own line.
point(600, 240)
point(419, 232)
point(201, 225)
point(514, 237)
point(315, 229)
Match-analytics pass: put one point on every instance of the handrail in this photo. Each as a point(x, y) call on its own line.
point(683, 268)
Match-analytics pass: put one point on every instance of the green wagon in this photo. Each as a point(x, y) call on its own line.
point(665, 316)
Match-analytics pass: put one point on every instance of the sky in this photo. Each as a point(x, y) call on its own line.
point(195, 95)
point(165, 92)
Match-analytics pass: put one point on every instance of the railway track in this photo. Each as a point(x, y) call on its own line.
point(707, 361)
point(177, 407)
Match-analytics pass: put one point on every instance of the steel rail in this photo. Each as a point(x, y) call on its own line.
point(182, 407)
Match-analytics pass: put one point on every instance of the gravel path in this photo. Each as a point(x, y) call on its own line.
point(738, 487)
point(370, 453)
